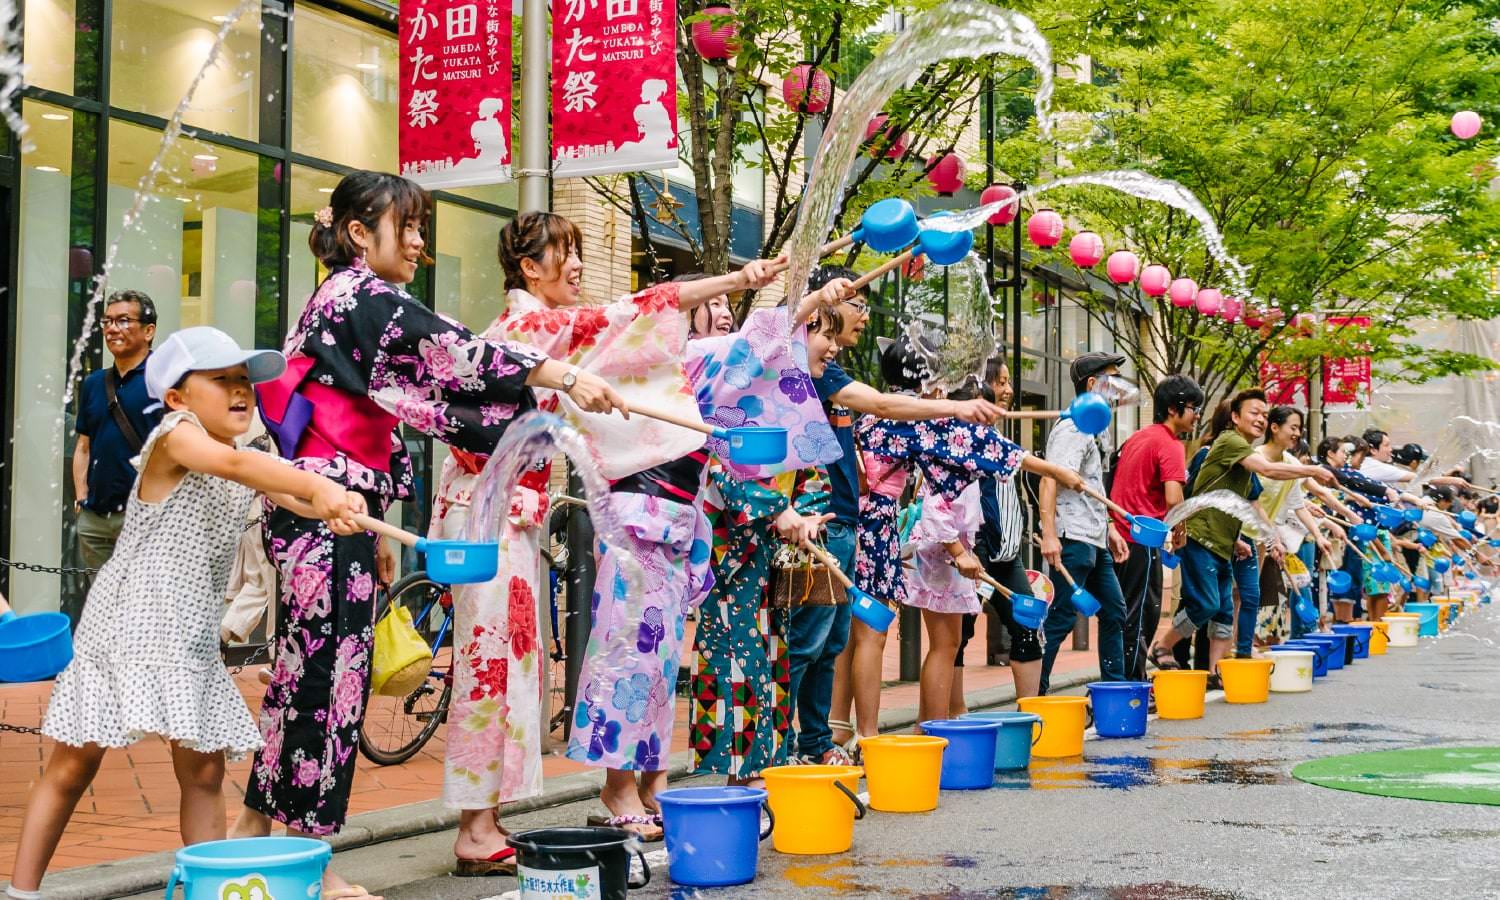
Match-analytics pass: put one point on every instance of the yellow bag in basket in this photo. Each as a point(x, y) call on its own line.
point(402, 659)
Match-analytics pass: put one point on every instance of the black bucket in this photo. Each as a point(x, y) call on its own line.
point(577, 862)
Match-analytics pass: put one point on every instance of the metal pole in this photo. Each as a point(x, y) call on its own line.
point(580, 608)
point(911, 644)
point(533, 156)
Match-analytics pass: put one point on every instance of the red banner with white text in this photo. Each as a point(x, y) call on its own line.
point(614, 86)
point(455, 92)
point(1346, 380)
point(1285, 384)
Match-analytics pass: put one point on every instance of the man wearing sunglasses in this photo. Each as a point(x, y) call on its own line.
point(112, 425)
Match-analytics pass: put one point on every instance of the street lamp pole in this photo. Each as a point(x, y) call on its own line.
point(534, 162)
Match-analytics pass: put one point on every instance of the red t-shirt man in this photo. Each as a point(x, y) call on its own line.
point(1148, 460)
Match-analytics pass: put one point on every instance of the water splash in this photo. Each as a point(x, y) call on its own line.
point(530, 441)
point(958, 29)
point(1128, 181)
point(1459, 442)
point(143, 192)
point(949, 320)
point(1256, 526)
point(13, 73)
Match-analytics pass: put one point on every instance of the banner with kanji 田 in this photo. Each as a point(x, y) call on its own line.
point(614, 86)
point(455, 92)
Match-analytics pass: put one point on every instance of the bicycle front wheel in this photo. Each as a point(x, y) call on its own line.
point(395, 728)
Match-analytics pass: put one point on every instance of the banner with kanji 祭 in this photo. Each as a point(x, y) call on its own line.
point(455, 92)
point(614, 86)
point(1285, 384)
point(1346, 380)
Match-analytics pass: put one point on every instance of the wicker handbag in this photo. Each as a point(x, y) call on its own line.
point(798, 581)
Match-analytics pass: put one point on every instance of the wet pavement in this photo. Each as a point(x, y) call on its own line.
point(1195, 809)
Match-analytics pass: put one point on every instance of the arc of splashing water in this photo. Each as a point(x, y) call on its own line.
point(1128, 181)
point(532, 439)
point(14, 72)
point(959, 29)
point(1460, 441)
point(1257, 527)
point(142, 192)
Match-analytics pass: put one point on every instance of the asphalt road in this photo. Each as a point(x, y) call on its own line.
point(1196, 809)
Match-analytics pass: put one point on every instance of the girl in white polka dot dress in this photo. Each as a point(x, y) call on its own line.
point(146, 653)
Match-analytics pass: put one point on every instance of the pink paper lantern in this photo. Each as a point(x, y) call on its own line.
point(716, 44)
point(998, 193)
point(1045, 228)
point(1230, 309)
point(1182, 292)
point(1154, 280)
point(946, 173)
point(1465, 124)
point(1208, 301)
point(897, 148)
point(1253, 318)
point(1123, 266)
point(1087, 249)
point(806, 89)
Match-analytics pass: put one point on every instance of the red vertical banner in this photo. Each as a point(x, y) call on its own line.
point(1346, 380)
point(614, 86)
point(455, 92)
point(1285, 384)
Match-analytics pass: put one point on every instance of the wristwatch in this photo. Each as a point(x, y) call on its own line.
point(569, 380)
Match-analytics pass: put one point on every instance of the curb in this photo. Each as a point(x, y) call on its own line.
point(140, 874)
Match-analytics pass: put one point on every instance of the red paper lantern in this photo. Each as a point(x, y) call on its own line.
point(1045, 228)
point(946, 173)
point(1208, 301)
point(1253, 318)
point(1122, 267)
point(1087, 249)
point(1154, 280)
point(897, 149)
point(1183, 292)
point(999, 193)
point(716, 45)
point(1230, 309)
point(806, 89)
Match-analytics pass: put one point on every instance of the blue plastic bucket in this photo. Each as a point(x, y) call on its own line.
point(1170, 559)
point(888, 226)
point(1334, 646)
point(754, 445)
point(1360, 632)
point(1015, 739)
point(1120, 707)
point(1148, 532)
point(870, 611)
point(1320, 652)
point(1030, 612)
point(1427, 626)
point(713, 834)
point(1339, 581)
point(236, 869)
point(1343, 648)
point(34, 647)
point(969, 758)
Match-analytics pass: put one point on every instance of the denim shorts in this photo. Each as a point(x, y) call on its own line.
point(1207, 586)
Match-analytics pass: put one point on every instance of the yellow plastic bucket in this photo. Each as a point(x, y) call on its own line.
point(1445, 616)
point(815, 807)
point(1064, 720)
point(1180, 692)
point(903, 771)
point(1246, 680)
point(1380, 636)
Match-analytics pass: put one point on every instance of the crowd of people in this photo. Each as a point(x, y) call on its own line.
point(914, 495)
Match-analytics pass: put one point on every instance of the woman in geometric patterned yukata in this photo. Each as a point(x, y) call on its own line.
point(363, 358)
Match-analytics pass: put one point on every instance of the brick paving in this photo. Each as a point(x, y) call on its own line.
point(131, 809)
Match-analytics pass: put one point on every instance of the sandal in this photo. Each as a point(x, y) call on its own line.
point(1215, 683)
point(838, 756)
point(647, 837)
point(1161, 658)
point(501, 862)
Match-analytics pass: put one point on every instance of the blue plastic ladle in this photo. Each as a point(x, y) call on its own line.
point(448, 562)
point(749, 445)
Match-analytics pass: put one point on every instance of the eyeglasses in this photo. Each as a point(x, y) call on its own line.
point(120, 322)
point(859, 305)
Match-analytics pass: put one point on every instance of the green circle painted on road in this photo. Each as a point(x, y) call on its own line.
point(1444, 774)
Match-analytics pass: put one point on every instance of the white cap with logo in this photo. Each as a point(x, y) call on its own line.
point(203, 349)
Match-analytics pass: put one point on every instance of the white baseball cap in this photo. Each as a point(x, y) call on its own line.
point(202, 349)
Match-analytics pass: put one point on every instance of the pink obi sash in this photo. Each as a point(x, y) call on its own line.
point(312, 419)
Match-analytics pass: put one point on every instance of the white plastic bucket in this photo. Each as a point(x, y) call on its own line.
point(1293, 673)
point(1403, 631)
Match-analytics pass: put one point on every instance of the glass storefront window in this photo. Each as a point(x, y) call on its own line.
point(62, 46)
point(310, 192)
point(194, 248)
point(56, 267)
point(469, 284)
point(344, 90)
point(158, 47)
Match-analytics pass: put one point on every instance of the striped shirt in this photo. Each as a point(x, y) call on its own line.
point(1000, 535)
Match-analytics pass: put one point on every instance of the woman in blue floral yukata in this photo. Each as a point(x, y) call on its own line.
point(363, 359)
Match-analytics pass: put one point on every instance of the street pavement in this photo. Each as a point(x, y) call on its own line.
point(1196, 809)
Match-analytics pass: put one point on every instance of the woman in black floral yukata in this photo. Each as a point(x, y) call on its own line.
point(363, 359)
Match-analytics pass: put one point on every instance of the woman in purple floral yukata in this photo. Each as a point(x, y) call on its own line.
point(363, 359)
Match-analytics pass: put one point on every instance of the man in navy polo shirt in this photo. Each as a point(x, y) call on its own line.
point(112, 425)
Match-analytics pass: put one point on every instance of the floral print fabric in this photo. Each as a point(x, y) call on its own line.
point(933, 582)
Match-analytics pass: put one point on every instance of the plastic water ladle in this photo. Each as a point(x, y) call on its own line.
point(869, 610)
point(33, 647)
point(749, 445)
point(942, 247)
point(1083, 601)
point(1144, 530)
point(1089, 411)
point(448, 562)
point(887, 226)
